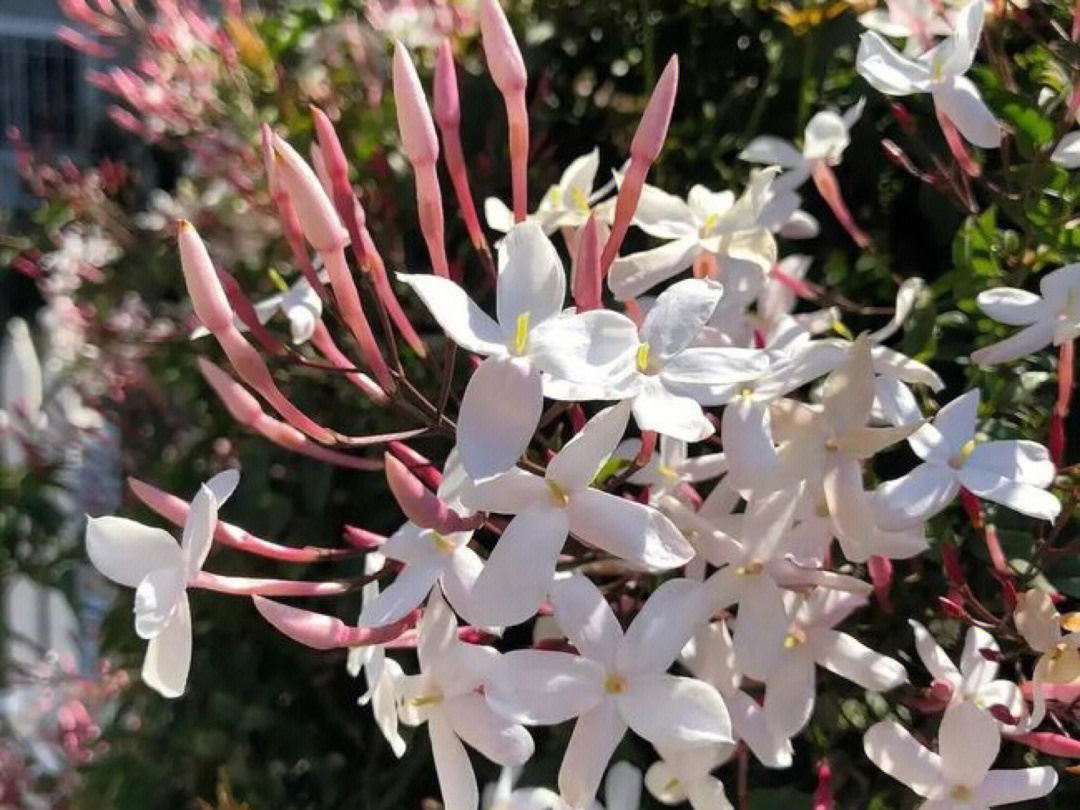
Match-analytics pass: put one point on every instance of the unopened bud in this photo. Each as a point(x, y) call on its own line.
point(653, 127)
point(501, 50)
point(207, 295)
point(418, 137)
point(320, 221)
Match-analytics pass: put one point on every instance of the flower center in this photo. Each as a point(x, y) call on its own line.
point(442, 543)
point(960, 459)
point(752, 568)
point(615, 685)
point(644, 355)
point(795, 637)
point(579, 199)
point(962, 793)
point(558, 493)
point(521, 333)
point(709, 225)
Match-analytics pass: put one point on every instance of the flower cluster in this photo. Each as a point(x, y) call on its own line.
point(695, 614)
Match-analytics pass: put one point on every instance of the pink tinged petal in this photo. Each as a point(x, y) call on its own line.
point(960, 101)
point(632, 275)
point(759, 641)
point(521, 568)
point(466, 324)
point(581, 458)
point(679, 314)
point(851, 659)
point(1014, 786)
point(933, 657)
point(499, 413)
point(968, 742)
point(408, 590)
point(497, 738)
point(886, 70)
point(1012, 306)
point(126, 551)
point(156, 600)
point(891, 747)
point(168, 655)
point(680, 417)
point(321, 632)
point(199, 530)
point(749, 724)
point(675, 711)
point(596, 735)
point(662, 627)
point(916, 497)
point(532, 281)
point(1026, 341)
point(772, 151)
point(586, 618)
point(538, 687)
point(631, 531)
point(457, 782)
point(789, 695)
point(977, 669)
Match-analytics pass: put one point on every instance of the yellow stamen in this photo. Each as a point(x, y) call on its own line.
point(958, 461)
point(643, 352)
point(521, 333)
point(442, 543)
point(579, 199)
point(751, 569)
point(558, 493)
point(615, 685)
point(426, 700)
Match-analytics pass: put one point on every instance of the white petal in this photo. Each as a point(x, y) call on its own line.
point(961, 103)
point(408, 590)
point(594, 349)
point(672, 613)
point(168, 655)
point(499, 413)
point(1023, 343)
point(1012, 306)
point(457, 782)
point(499, 217)
point(497, 738)
point(632, 275)
point(708, 794)
point(1014, 786)
point(886, 70)
point(520, 570)
point(458, 581)
point(1061, 283)
point(594, 739)
point(759, 642)
point(933, 657)
point(156, 600)
point(126, 551)
point(772, 151)
point(789, 695)
point(437, 633)
point(968, 742)
point(915, 497)
point(664, 215)
point(749, 723)
point(826, 137)
point(586, 618)
point(531, 281)
point(466, 324)
point(542, 687)
point(622, 788)
point(656, 408)
point(631, 531)
point(712, 375)
point(223, 485)
point(747, 438)
point(581, 174)
point(199, 530)
point(1067, 153)
point(675, 711)
point(1023, 498)
point(1020, 460)
point(978, 670)
point(965, 38)
point(851, 659)
point(581, 458)
point(891, 747)
point(678, 315)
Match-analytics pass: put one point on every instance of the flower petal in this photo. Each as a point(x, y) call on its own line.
point(531, 281)
point(659, 631)
point(632, 275)
point(457, 781)
point(408, 590)
point(669, 710)
point(1023, 343)
point(594, 739)
point(886, 70)
point(168, 655)
point(961, 103)
point(499, 413)
point(156, 599)
point(891, 747)
point(466, 324)
point(595, 350)
point(581, 458)
point(664, 215)
point(851, 659)
point(1014, 786)
point(656, 408)
point(126, 551)
point(543, 687)
point(968, 742)
point(1012, 306)
point(497, 738)
point(631, 531)
point(772, 151)
point(789, 695)
point(199, 530)
point(933, 657)
point(679, 314)
point(586, 618)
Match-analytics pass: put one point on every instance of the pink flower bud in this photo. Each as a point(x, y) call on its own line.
point(447, 107)
point(418, 137)
point(652, 129)
point(1049, 742)
point(362, 538)
point(422, 506)
point(501, 50)
point(417, 464)
point(587, 275)
point(207, 295)
point(320, 221)
point(238, 401)
point(323, 632)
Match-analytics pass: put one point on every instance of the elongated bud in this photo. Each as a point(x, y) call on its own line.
point(420, 505)
point(321, 632)
point(881, 575)
point(419, 465)
point(829, 189)
point(362, 538)
point(319, 165)
point(446, 105)
point(587, 273)
point(1048, 742)
point(252, 586)
point(418, 137)
point(652, 129)
point(239, 402)
point(501, 50)
point(245, 311)
point(203, 285)
point(320, 221)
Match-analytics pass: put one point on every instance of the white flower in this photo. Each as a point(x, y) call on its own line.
point(521, 567)
point(1053, 316)
point(958, 777)
point(708, 222)
point(685, 775)
point(939, 72)
point(21, 390)
point(915, 20)
point(448, 695)
point(619, 680)
point(502, 402)
point(150, 561)
point(1067, 153)
point(1012, 473)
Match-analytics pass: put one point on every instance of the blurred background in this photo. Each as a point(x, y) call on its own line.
point(121, 116)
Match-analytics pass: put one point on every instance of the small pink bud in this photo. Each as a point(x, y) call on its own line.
point(322, 632)
point(207, 295)
point(238, 401)
point(501, 50)
point(320, 221)
point(881, 575)
point(418, 465)
point(420, 505)
point(447, 107)
point(587, 274)
point(829, 189)
point(362, 538)
point(652, 129)
point(1049, 742)
point(418, 138)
